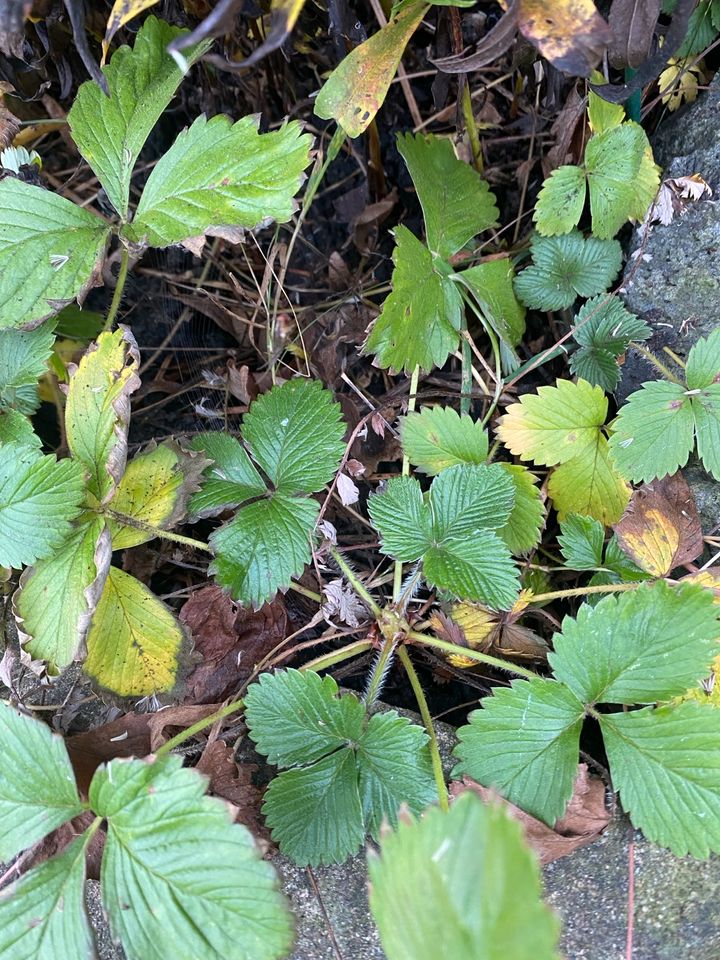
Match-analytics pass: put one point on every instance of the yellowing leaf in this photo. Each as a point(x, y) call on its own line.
point(135, 644)
point(98, 408)
point(590, 485)
point(555, 424)
point(121, 13)
point(709, 690)
point(571, 34)
point(155, 489)
point(678, 82)
point(356, 89)
point(660, 530)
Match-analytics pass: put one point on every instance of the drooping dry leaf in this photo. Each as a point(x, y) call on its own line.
point(584, 820)
point(632, 23)
point(233, 782)
point(660, 529)
point(571, 34)
point(164, 724)
point(9, 123)
point(342, 603)
point(674, 197)
point(489, 49)
point(230, 639)
point(347, 490)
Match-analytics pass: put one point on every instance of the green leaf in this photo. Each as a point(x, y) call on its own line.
point(491, 284)
point(135, 645)
point(263, 547)
point(480, 568)
point(703, 363)
point(296, 718)
point(604, 330)
point(314, 812)
point(590, 485)
point(647, 645)
point(525, 741)
point(565, 268)
point(42, 915)
point(472, 865)
point(581, 542)
point(17, 428)
point(438, 437)
point(174, 851)
point(620, 565)
point(395, 769)
point(555, 424)
point(613, 160)
point(221, 174)
point(155, 489)
point(403, 519)
point(230, 480)
point(560, 201)
point(420, 320)
point(51, 252)
point(58, 596)
point(706, 411)
point(701, 29)
point(666, 767)
point(521, 532)
point(37, 784)
point(23, 360)
point(654, 432)
point(97, 413)
point(295, 434)
point(464, 498)
point(457, 203)
point(111, 131)
point(39, 499)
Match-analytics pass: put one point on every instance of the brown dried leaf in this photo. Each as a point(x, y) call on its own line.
point(9, 123)
point(660, 529)
point(233, 782)
point(127, 736)
point(12, 26)
point(490, 48)
point(56, 842)
point(230, 639)
point(571, 34)
point(163, 724)
point(584, 820)
point(632, 23)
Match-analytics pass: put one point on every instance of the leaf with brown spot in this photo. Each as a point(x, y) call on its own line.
point(356, 89)
point(583, 822)
point(660, 529)
point(571, 34)
point(230, 639)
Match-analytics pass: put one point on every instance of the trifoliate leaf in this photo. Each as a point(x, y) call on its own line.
point(58, 596)
point(421, 318)
point(581, 542)
point(231, 478)
point(172, 848)
point(39, 499)
point(395, 769)
point(491, 284)
point(37, 784)
point(263, 547)
point(521, 532)
point(23, 360)
point(590, 485)
point(43, 913)
point(472, 864)
point(640, 647)
point(314, 812)
point(453, 532)
point(356, 89)
point(604, 330)
point(135, 645)
point(457, 203)
point(565, 268)
point(525, 741)
point(666, 767)
point(97, 412)
point(438, 437)
point(560, 201)
point(51, 251)
point(555, 424)
point(295, 718)
point(654, 432)
point(110, 131)
point(703, 363)
point(155, 489)
point(294, 433)
point(220, 174)
point(613, 160)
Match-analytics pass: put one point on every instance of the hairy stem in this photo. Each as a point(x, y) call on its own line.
point(412, 676)
point(119, 288)
point(665, 371)
point(426, 640)
point(337, 656)
point(581, 591)
point(199, 726)
point(154, 531)
point(379, 671)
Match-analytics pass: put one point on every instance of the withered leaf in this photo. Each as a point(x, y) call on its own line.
point(127, 736)
point(492, 46)
point(660, 529)
point(632, 23)
point(571, 34)
point(233, 782)
point(163, 723)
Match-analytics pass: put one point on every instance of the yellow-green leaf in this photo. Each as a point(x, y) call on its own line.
point(590, 485)
point(98, 409)
point(356, 89)
point(121, 13)
point(571, 34)
point(155, 489)
point(135, 645)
